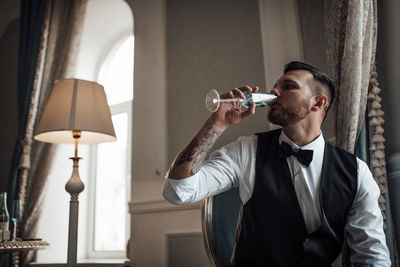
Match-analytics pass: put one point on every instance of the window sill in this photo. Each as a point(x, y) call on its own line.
point(86, 263)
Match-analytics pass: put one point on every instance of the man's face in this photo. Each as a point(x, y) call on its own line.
point(294, 91)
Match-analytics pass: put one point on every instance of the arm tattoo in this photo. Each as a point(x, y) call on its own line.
point(187, 154)
point(197, 150)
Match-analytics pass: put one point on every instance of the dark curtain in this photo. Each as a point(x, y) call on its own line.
point(32, 13)
point(31, 20)
point(362, 145)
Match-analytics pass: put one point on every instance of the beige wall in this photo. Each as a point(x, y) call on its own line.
point(210, 45)
point(149, 158)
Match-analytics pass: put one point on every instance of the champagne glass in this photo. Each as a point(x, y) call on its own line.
point(16, 215)
point(213, 100)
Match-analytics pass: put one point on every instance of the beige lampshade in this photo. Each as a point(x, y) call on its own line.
point(76, 105)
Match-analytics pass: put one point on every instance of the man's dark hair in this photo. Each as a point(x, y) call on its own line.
point(319, 76)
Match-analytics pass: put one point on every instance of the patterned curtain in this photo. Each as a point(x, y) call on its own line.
point(57, 53)
point(351, 33)
point(351, 44)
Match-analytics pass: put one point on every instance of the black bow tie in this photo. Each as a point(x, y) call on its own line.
point(304, 156)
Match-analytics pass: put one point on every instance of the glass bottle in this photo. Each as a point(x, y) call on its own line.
point(4, 215)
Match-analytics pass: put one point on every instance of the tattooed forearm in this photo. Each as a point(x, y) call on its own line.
point(187, 154)
point(211, 133)
point(210, 136)
point(198, 148)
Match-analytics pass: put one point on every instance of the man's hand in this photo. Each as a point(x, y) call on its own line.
point(191, 157)
point(231, 113)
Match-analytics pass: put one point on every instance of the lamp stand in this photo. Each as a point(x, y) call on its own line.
point(74, 186)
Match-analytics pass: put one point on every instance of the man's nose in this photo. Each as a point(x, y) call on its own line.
point(275, 91)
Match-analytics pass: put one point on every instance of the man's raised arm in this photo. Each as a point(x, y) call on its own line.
point(190, 158)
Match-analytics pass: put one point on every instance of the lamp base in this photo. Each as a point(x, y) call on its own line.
point(74, 187)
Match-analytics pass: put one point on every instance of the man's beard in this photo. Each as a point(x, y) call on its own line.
point(287, 116)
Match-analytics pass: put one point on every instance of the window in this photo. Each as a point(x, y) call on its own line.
point(106, 56)
point(112, 161)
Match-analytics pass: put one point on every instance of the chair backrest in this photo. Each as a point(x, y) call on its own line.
point(219, 216)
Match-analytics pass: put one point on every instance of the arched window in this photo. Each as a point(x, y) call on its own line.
point(112, 160)
point(116, 73)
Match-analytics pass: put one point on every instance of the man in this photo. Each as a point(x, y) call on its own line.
point(302, 197)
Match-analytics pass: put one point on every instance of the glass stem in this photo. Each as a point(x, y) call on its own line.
point(230, 100)
point(15, 232)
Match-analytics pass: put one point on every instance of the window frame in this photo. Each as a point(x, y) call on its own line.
point(114, 110)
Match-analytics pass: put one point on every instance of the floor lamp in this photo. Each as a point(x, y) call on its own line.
point(76, 112)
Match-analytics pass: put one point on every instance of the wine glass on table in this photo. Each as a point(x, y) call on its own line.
point(16, 215)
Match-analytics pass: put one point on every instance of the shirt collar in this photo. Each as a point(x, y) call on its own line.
point(317, 144)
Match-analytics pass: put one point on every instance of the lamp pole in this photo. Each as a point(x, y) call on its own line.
point(80, 107)
point(74, 186)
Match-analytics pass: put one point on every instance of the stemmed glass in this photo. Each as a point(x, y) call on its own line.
point(16, 215)
point(213, 100)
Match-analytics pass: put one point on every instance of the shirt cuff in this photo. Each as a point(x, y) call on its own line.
point(184, 189)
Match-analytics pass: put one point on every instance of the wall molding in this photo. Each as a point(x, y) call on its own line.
point(158, 205)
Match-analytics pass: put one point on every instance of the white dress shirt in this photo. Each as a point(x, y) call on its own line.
point(234, 166)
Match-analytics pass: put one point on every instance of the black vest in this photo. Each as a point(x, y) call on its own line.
point(272, 231)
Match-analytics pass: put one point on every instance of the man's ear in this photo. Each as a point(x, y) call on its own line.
point(320, 103)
